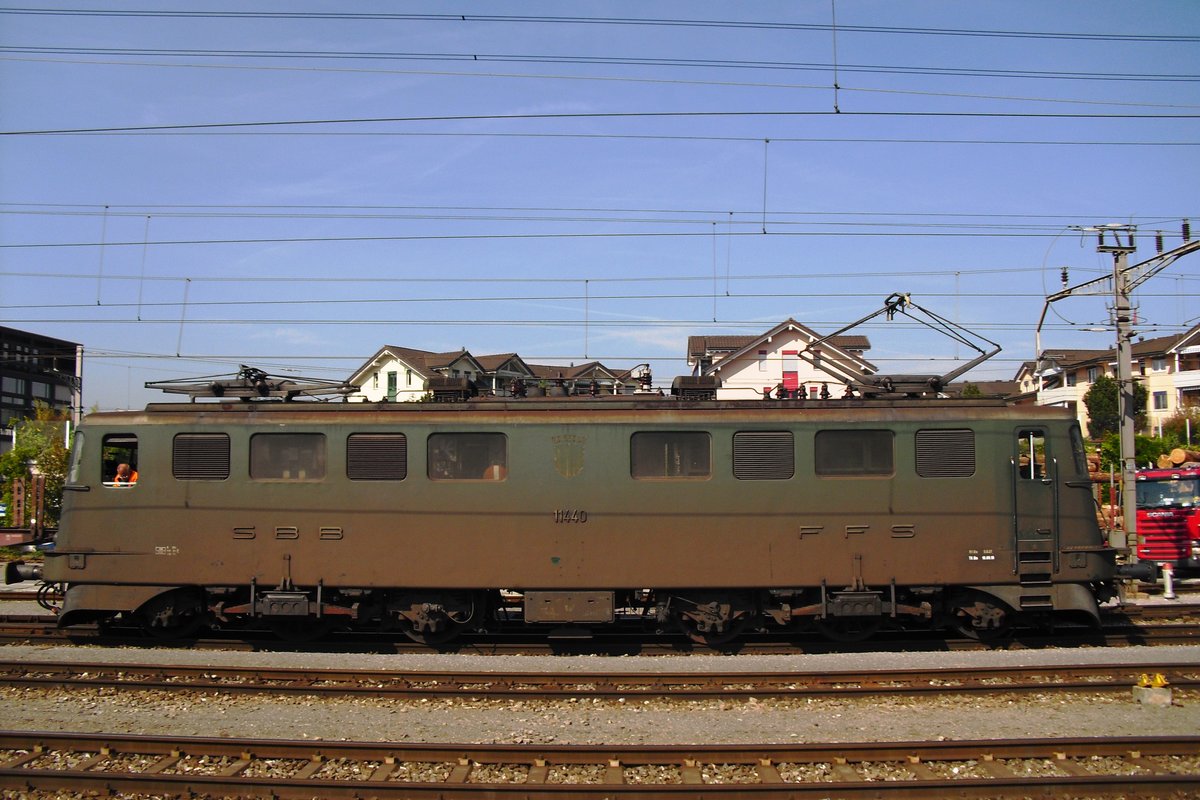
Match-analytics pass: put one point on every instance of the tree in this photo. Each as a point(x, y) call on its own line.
point(1101, 402)
point(1178, 426)
point(972, 390)
point(1147, 449)
point(39, 442)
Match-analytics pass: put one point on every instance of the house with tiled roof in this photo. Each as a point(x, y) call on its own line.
point(402, 374)
point(1168, 366)
point(780, 359)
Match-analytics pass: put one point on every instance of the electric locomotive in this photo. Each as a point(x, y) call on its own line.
point(712, 517)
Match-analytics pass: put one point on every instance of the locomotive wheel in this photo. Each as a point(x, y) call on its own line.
point(848, 629)
point(714, 623)
point(177, 614)
point(980, 617)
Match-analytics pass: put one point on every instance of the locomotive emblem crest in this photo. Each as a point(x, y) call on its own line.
point(568, 454)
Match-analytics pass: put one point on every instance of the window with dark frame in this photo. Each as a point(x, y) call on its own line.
point(467, 456)
point(671, 455)
point(854, 453)
point(1031, 454)
point(117, 449)
point(287, 456)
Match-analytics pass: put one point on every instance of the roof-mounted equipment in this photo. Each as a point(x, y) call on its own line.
point(252, 384)
point(916, 385)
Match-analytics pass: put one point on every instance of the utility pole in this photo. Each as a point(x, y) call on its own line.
point(1123, 320)
point(1125, 279)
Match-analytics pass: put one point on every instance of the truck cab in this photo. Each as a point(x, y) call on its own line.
point(1168, 518)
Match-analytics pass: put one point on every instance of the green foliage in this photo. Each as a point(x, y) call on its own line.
point(1146, 449)
point(1103, 415)
point(1175, 428)
point(972, 390)
point(39, 440)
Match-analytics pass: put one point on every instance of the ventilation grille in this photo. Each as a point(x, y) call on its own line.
point(377, 457)
point(946, 454)
point(763, 456)
point(200, 457)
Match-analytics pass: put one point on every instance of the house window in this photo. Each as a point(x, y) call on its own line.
point(375, 380)
point(1158, 364)
point(1160, 401)
point(408, 377)
point(1072, 379)
point(1093, 374)
point(762, 360)
point(391, 386)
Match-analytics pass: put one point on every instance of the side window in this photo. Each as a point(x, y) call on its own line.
point(764, 456)
point(200, 456)
point(287, 456)
point(854, 453)
point(467, 457)
point(119, 460)
point(671, 454)
point(946, 453)
point(377, 457)
point(1031, 454)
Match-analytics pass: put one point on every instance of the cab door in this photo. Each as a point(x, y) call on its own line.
point(1035, 505)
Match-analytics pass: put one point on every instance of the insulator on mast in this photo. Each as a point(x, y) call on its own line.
point(1158, 241)
point(1065, 277)
point(1187, 230)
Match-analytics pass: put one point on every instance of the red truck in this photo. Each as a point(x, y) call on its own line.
point(1168, 518)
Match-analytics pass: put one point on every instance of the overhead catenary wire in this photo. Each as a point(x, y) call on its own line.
point(375, 16)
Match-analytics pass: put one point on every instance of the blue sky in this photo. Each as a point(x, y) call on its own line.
point(292, 186)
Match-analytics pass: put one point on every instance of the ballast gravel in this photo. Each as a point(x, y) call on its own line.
point(622, 721)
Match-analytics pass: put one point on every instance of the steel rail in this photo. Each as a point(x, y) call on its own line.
point(1118, 630)
point(75, 675)
point(115, 763)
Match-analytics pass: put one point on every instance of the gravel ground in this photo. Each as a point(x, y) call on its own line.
point(631, 721)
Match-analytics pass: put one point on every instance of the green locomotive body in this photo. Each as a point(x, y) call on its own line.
point(713, 515)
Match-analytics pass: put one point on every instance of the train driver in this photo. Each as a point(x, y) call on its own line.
point(126, 475)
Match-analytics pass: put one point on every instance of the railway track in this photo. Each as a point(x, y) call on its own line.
point(403, 684)
point(1142, 626)
point(187, 766)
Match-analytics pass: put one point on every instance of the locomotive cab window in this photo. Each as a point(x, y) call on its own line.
point(1031, 454)
point(468, 457)
point(119, 460)
point(287, 456)
point(854, 453)
point(674, 455)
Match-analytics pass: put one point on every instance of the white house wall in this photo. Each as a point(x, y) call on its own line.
point(746, 377)
point(410, 385)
